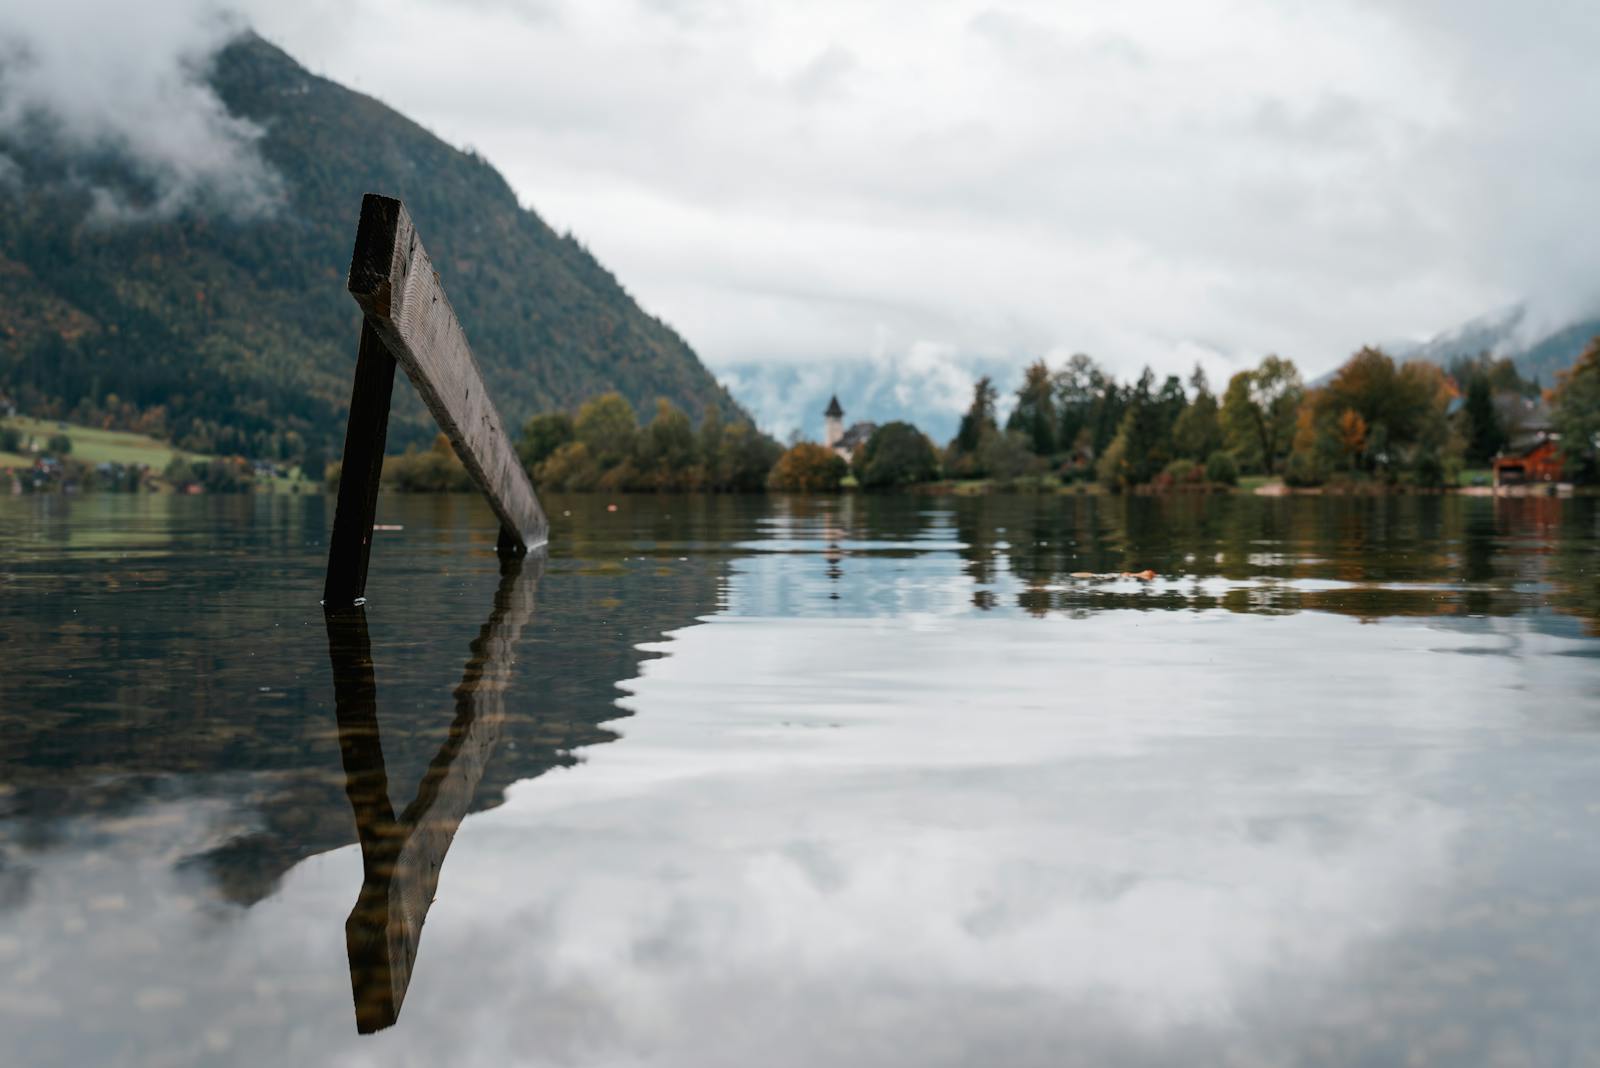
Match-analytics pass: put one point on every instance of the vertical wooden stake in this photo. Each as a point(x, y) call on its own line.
point(393, 280)
point(407, 320)
point(351, 544)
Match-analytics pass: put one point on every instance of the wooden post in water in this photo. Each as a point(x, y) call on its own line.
point(408, 321)
point(364, 437)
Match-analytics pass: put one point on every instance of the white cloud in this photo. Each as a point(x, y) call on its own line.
point(785, 183)
point(99, 78)
point(1138, 182)
point(927, 382)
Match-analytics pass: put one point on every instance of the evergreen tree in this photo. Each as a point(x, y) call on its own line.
point(1035, 414)
point(1079, 386)
point(1139, 450)
point(1171, 402)
point(979, 418)
point(1485, 435)
point(1198, 431)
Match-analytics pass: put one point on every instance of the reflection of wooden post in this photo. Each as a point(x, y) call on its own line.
point(401, 856)
point(409, 320)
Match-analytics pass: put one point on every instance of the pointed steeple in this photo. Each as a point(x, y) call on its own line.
point(834, 411)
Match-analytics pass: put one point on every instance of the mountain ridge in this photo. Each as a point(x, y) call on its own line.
point(241, 329)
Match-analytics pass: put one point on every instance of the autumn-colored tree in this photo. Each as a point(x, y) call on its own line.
point(1576, 404)
point(665, 451)
point(1409, 400)
point(1352, 433)
point(436, 469)
point(607, 426)
point(1380, 417)
point(808, 468)
point(1315, 451)
point(571, 467)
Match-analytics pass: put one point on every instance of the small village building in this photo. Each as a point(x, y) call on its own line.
point(845, 443)
point(1535, 458)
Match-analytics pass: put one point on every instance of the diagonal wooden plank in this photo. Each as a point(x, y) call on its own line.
point(395, 284)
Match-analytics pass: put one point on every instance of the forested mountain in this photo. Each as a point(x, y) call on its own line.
point(234, 333)
point(1539, 354)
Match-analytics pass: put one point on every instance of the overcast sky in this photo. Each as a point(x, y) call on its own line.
point(1148, 182)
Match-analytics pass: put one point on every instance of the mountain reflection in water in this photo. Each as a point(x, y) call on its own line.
point(894, 787)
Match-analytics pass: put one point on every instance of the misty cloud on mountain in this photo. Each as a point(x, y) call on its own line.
point(131, 113)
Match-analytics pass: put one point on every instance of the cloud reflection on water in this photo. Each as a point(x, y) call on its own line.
point(896, 829)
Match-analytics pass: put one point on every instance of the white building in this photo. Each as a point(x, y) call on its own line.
point(836, 437)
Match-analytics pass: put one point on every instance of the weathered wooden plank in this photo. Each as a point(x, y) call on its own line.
point(402, 856)
point(365, 434)
point(395, 284)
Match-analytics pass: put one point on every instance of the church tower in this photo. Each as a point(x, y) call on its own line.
point(833, 428)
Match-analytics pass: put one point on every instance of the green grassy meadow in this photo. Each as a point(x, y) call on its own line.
point(92, 445)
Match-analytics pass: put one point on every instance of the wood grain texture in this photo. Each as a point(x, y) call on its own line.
point(395, 284)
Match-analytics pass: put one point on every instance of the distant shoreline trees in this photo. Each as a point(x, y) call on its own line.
point(1376, 421)
point(604, 448)
point(807, 467)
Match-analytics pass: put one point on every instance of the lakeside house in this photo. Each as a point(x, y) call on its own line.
point(1536, 459)
point(844, 443)
point(1534, 454)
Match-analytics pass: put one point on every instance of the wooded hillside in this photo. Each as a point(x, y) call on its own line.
point(236, 335)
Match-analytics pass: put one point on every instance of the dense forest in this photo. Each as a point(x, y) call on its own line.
point(231, 333)
point(1375, 420)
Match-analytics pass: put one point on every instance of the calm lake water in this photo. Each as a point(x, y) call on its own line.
point(803, 782)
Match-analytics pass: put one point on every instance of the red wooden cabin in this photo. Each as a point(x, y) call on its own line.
point(1536, 461)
